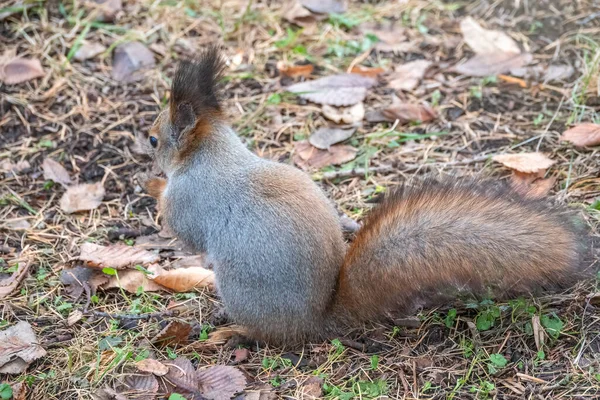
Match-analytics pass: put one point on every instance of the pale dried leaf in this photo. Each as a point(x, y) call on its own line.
point(18, 348)
point(391, 35)
point(82, 197)
point(297, 14)
point(529, 163)
point(182, 374)
point(220, 382)
point(182, 279)
point(9, 166)
point(405, 113)
point(539, 335)
point(312, 388)
point(89, 50)
point(558, 72)
point(345, 115)
point(116, 256)
point(294, 71)
point(129, 60)
point(53, 171)
point(109, 8)
point(74, 317)
point(493, 64)
point(583, 135)
point(8, 285)
point(19, 224)
point(324, 137)
point(156, 242)
point(309, 156)
point(175, 332)
point(153, 366)
point(325, 6)
point(407, 76)
point(336, 90)
point(131, 280)
point(485, 41)
point(19, 70)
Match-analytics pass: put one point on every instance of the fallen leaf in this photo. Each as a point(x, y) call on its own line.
point(18, 348)
point(153, 366)
point(19, 70)
point(220, 382)
point(182, 374)
point(493, 64)
point(529, 163)
point(346, 115)
point(485, 41)
point(8, 166)
point(89, 50)
point(156, 242)
point(132, 280)
point(324, 137)
point(129, 60)
point(583, 135)
point(297, 14)
point(182, 279)
point(74, 317)
point(8, 285)
point(407, 76)
point(312, 388)
point(82, 197)
point(539, 335)
point(240, 355)
point(107, 394)
point(409, 113)
point(531, 185)
point(309, 156)
point(118, 256)
point(325, 6)
point(558, 73)
point(140, 386)
point(391, 35)
point(19, 391)
point(336, 90)
point(75, 279)
point(294, 71)
point(367, 71)
point(18, 224)
point(174, 333)
point(53, 171)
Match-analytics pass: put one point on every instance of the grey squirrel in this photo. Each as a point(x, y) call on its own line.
point(282, 267)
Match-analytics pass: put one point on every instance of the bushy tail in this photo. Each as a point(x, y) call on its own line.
point(437, 239)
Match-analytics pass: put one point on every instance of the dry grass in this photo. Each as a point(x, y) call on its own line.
point(80, 117)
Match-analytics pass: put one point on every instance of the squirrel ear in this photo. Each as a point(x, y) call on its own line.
point(184, 119)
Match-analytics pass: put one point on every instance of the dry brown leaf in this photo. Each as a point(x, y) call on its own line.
point(18, 348)
point(528, 163)
point(153, 366)
point(538, 332)
point(174, 333)
point(82, 197)
point(53, 171)
point(8, 285)
point(391, 35)
point(74, 317)
point(407, 76)
point(297, 14)
point(336, 90)
point(129, 60)
point(220, 382)
point(309, 156)
point(409, 113)
point(19, 391)
point(345, 115)
point(131, 280)
point(182, 374)
point(325, 6)
point(324, 137)
point(367, 71)
point(76, 278)
point(485, 41)
point(583, 135)
point(19, 70)
point(140, 387)
point(532, 185)
point(116, 256)
point(182, 279)
point(9, 166)
point(190, 261)
point(294, 71)
point(312, 388)
point(109, 9)
point(89, 50)
point(493, 64)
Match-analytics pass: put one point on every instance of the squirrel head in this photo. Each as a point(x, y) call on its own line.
point(194, 110)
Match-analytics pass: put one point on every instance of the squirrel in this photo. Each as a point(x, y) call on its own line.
point(282, 267)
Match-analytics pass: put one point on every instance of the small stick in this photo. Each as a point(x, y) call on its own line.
point(166, 313)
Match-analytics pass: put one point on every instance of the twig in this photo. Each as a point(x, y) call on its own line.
point(166, 313)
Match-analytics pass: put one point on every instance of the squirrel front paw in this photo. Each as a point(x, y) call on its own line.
point(152, 184)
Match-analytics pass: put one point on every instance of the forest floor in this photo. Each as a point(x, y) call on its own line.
point(86, 99)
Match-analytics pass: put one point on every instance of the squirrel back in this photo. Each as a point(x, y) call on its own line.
point(275, 240)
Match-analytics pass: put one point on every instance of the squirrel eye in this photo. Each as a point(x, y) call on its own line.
point(153, 141)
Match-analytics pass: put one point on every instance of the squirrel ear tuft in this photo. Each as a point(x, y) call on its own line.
point(195, 89)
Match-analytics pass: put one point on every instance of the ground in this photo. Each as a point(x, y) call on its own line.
point(79, 115)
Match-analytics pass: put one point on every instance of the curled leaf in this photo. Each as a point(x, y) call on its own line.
point(87, 196)
point(294, 71)
point(19, 70)
point(153, 366)
point(407, 76)
point(583, 135)
point(174, 333)
point(345, 115)
point(19, 347)
point(528, 163)
point(182, 279)
point(324, 137)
